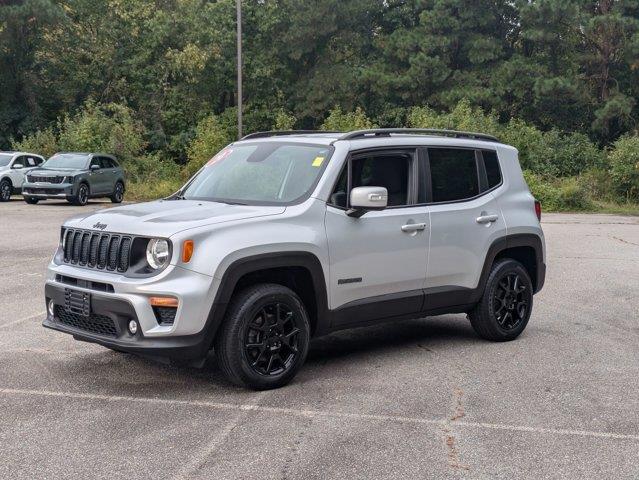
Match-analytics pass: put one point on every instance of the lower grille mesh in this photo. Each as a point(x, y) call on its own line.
point(99, 324)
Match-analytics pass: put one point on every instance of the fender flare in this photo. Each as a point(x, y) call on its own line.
point(254, 263)
point(511, 241)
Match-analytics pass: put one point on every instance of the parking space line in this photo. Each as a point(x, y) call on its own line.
point(319, 413)
point(20, 320)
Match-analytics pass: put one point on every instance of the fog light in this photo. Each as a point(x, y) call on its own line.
point(50, 308)
point(133, 327)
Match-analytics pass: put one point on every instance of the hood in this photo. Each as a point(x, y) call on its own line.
point(53, 172)
point(163, 218)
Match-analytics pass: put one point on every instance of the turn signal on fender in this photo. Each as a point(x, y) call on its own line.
point(187, 251)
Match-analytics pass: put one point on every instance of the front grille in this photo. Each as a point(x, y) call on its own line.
point(55, 179)
point(100, 324)
point(104, 251)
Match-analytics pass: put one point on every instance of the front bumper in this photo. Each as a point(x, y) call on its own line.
point(189, 347)
point(48, 190)
point(125, 299)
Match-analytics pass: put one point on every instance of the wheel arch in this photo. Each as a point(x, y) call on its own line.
point(298, 270)
point(526, 248)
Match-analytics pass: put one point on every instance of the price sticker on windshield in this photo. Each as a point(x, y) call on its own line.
point(220, 156)
point(317, 162)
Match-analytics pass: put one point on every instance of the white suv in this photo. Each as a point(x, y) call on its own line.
point(285, 236)
point(13, 168)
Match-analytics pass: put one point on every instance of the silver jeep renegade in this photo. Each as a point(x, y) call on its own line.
point(285, 236)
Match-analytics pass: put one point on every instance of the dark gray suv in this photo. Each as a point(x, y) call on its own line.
point(75, 177)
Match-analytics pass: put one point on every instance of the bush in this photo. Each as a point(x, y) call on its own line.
point(109, 128)
point(343, 122)
point(559, 194)
point(43, 142)
point(624, 167)
point(462, 117)
point(211, 135)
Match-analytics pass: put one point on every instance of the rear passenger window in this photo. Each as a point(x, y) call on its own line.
point(492, 168)
point(105, 162)
point(453, 174)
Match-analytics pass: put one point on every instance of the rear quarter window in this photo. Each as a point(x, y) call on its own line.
point(491, 163)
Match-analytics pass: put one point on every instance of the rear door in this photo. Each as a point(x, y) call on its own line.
point(377, 265)
point(110, 173)
point(465, 218)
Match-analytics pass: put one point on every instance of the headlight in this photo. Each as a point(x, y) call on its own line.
point(68, 179)
point(157, 253)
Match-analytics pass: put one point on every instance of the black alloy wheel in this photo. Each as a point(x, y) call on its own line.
point(271, 339)
point(118, 193)
point(505, 306)
point(82, 198)
point(264, 337)
point(510, 301)
point(5, 191)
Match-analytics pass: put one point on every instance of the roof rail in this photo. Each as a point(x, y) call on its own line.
point(377, 132)
point(275, 133)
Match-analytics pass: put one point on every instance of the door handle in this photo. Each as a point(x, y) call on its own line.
point(487, 218)
point(413, 227)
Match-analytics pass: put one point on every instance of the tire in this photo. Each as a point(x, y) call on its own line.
point(31, 200)
point(82, 197)
point(118, 193)
point(6, 188)
point(261, 357)
point(506, 304)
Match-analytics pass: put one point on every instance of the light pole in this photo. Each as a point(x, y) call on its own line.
point(239, 67)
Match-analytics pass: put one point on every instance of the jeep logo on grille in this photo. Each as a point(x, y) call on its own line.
point(100, 226)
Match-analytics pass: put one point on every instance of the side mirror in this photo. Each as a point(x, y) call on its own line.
point(18, 166)
point(95, 167)
point(364, 199)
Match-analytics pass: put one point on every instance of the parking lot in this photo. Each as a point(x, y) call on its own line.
point(416, 399)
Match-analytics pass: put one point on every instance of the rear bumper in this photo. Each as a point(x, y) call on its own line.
point(121, 312)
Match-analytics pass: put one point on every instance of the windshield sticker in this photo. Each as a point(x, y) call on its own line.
point(318, 161)
point(220, 156)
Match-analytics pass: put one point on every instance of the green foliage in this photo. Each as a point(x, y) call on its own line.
point(211, 135)
point(624, 167)
point(559, 194)
point(548, 153)
point(558, 79)
point(109, 128)
point(44, 142)
point(284, 120)
point(340, 121)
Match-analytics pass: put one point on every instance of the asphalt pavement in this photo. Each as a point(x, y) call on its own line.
point(414, 399)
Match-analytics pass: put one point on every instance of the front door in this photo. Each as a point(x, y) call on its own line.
point(378, 261)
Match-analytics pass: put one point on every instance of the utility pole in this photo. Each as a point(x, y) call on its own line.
point(239, 67)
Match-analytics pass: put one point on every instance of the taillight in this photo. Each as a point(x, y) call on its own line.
point(538, 209)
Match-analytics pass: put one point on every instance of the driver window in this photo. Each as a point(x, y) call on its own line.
point(19, 162)
point(377, 170)
point(95, 161)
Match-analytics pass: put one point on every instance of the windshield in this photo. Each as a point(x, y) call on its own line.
point(5, 159)
point(265, 173)
point(67, 160)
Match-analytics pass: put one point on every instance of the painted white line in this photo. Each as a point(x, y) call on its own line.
point(15, 322)
point(198, 459)
point(319, 413)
